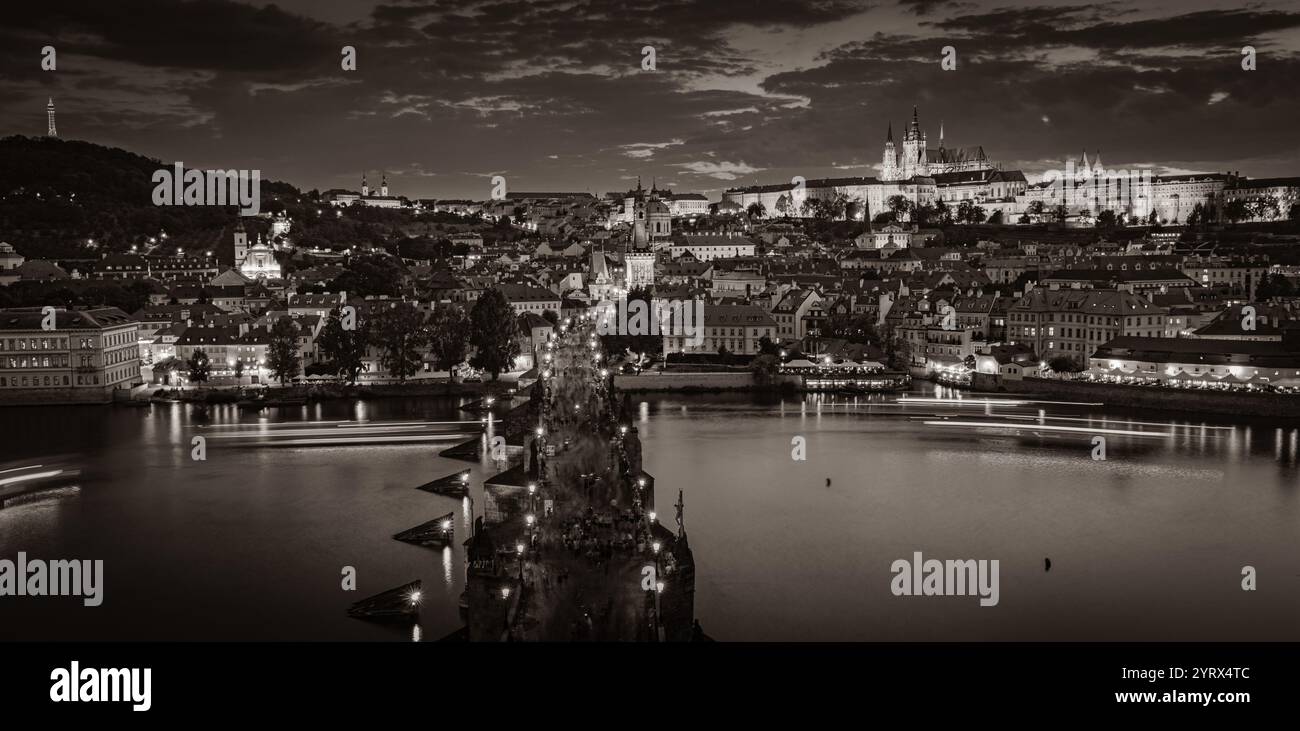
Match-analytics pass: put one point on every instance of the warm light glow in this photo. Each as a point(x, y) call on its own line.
point(656, 546)
point(652, 516)
point(520, 548)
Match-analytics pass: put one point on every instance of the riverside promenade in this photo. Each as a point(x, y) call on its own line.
point(569, 546)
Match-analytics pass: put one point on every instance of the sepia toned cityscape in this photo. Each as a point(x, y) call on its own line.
point(794, 322)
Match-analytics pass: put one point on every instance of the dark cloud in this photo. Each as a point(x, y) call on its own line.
point(552, 93)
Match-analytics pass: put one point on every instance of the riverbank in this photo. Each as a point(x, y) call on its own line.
point(1233, 403)
point(701, 382)
point(323, 392)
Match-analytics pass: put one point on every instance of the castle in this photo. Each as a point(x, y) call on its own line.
point(916, 160)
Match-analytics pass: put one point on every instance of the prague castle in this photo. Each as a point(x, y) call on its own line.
point(922, 175)
point(916, 160)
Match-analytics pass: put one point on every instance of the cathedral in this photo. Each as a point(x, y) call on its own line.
point(917, 160)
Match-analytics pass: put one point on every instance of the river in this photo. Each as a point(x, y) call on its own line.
point(250, 543)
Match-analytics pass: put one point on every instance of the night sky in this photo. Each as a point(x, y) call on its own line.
point(552, 94)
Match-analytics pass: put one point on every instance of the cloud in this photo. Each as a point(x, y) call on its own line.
point(794, 86)
point(719, 170)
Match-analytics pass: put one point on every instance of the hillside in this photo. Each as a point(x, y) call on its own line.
point(63, 199)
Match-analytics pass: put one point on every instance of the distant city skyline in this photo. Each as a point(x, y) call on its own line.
point(553, 96)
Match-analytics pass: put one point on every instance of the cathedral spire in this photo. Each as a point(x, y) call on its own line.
point(889, 136)
point(941, 134)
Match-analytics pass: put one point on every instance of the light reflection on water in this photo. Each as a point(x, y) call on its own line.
point(1147, 544)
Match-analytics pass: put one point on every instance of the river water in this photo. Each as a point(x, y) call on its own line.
point(251, 543)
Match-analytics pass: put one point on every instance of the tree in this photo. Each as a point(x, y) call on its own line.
point(1265, 208)
point(765, 366)
point(1106, 219)
point(449, 330)
point(1294, 213)
point(942, 213)
point(785, 205)
point(1035, 208)
point(968, 212)
point(996, 218)
point(239, 369)
point(400, 334)
point(767, 347)
point(1060, 213)
point(1236, 210)
point(900, 207)
point(493, 333)
point(756, 210)
point(199, 366)
point(372, 274)
point(1274, 285)
point(1064, 364)
point(282, 358)
point(344, 349)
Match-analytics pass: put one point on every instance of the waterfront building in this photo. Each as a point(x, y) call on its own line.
point(1197, 361)
point(791, 311)
point(1073, 323)
point(737, 328)
point(87, 355)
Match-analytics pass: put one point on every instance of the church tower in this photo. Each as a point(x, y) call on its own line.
point(914, 155)
point(49, 116)
point(365, 188)
point(383, 185)
point(889, 162)
point(241, 243)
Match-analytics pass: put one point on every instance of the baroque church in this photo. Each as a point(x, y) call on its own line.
point(256, 261)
